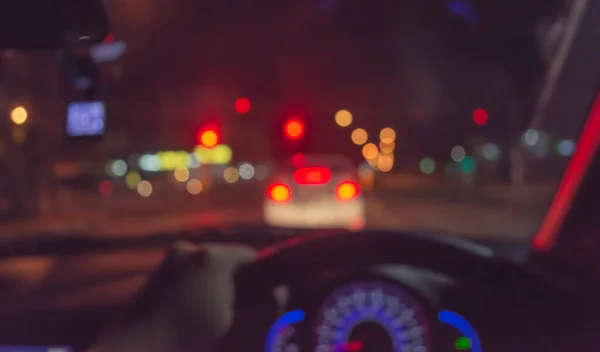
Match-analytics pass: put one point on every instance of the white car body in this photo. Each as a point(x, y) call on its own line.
point(317, 200)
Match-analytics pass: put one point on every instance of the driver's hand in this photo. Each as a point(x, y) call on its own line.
point(187, 303)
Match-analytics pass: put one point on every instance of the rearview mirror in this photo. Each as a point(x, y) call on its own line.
point(51, 24)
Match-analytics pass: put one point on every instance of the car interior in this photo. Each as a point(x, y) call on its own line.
point(367, 290)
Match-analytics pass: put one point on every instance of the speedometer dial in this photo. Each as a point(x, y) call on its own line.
point(372, 316)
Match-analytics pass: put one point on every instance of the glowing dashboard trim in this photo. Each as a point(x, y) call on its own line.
point(462, 325)
point(289, 318)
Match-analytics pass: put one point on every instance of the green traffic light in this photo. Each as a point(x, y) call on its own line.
point(463, 343)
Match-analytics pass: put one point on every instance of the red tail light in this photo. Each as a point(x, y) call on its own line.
point(279, 193)
point(312, 176)
point(347, 190)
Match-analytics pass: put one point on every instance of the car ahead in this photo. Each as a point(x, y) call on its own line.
point(315, 191)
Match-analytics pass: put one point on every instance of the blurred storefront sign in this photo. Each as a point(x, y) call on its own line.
point(170, 160)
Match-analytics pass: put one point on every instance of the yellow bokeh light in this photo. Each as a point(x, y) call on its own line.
point(221, 154)
point(144, 188)
point(172, 160)
point(343, 118)
point(387, 135)
point(18, 115)
point(231, 174)
point(370, 151)
point(385, 163)
point(194, 186)
point(181, 174)
point(359, 136)
point(387, 148)
point(132, 179)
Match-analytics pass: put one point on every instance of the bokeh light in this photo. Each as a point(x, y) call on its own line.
point(370, 151)
point(531, 137)
point(246, 171)
point(387, 135)
point(480, 116)
point(194, 186)
point(427, 166)
point(387, 148)
point(19, 115)
point(458, 153)
point(209, 139)
point(118, 168)
point(181, 174)
point(280, 193)
point(242, 105)
point(231, 174)
point(343, 118)
point(261, 172)
point(132, 179)
point(359, 136)
point(144, 188)
point(385, 162)
point(490, 151)
point(467, 165)
point(294, 129)
point(566, 147)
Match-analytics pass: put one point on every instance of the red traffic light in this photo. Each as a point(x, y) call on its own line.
point(480, 116)
point(208, 138)
point(242, 105)
point(294, 129)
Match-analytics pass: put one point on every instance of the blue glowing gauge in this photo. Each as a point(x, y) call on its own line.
point(462, 325)
point(372, 316)
point(279, 338)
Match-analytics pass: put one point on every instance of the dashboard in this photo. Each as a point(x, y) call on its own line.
point(379, 297)
point(359, 316)
point(389, 308)
point(355, 292)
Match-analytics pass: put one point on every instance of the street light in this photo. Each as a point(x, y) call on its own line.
point(18, 115)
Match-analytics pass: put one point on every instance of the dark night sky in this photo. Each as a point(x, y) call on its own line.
point(383, 61)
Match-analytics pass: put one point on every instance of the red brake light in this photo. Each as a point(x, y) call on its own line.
point(347, 190)
point(312, 176)
point(279, 193)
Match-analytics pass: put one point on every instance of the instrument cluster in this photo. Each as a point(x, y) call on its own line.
point(361, 316)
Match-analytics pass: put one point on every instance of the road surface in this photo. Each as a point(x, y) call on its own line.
point(452, 210)
point(389, 210)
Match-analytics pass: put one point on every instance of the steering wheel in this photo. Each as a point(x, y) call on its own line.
point(328, 260)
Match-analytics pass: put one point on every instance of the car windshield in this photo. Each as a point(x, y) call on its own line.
point(433, 103)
